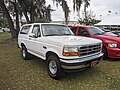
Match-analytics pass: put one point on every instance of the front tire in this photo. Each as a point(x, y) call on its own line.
point(105, 53)
point(24, 53)
point(53, 67)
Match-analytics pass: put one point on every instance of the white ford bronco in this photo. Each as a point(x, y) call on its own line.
point(56, 44)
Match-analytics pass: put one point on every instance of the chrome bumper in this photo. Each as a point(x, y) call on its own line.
point(80, 62)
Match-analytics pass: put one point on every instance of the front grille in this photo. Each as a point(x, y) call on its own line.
point(89, 49)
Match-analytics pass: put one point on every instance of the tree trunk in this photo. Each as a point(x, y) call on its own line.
point(10, 22)
point(26, 16)
point(85, 11)
point(17, 21)
point(32, 12)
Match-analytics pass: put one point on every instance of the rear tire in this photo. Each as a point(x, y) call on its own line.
point(24, 53)
point(53, 67)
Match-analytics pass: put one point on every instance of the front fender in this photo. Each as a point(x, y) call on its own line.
point(57, 51)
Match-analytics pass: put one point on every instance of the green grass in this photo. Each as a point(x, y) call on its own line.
point(18, 74)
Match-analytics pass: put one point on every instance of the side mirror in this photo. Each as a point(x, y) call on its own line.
point(32, 35)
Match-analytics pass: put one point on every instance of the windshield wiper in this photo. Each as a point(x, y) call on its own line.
point(99, 33)
point(67, 34)
point(53, 35)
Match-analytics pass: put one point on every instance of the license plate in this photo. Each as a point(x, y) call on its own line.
point(93, 63)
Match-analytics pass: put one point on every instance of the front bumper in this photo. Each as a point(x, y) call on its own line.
point(113, 52)
point(83, 62)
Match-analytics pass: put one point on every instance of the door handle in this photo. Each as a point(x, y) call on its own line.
point(30, 38)
point(44, 47)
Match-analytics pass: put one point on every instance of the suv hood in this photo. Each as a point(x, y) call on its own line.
point(71, 40)
point(108, 37)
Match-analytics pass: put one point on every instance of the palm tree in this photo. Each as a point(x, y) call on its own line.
point(65, 8)
point(86, 4)
point(76, 6)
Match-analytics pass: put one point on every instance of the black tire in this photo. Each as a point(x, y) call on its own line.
point(53, 67)
point(24, 53)
point(105, 56)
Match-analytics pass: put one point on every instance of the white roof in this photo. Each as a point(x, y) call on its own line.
point(110, 20)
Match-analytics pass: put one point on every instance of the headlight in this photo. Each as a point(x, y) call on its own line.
point(70, 51)
point(112, 45)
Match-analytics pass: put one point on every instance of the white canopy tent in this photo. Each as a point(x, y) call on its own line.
point(110, 20)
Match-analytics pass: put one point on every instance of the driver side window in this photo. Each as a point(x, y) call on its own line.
point(36, 30)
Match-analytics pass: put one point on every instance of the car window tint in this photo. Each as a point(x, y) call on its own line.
point(74, 29)
point(25, 29)
point(82, 32)
point(96, 31)
point(36, 30)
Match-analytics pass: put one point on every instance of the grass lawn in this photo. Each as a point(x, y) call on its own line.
point(18, 74)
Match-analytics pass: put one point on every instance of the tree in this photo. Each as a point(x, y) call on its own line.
point(33, 10)
point(9, 19)
point(3, 20)
point(13, 7)
point(44, 15)
point(65, 8)
point(88, 18)
point(86, 4)
point(36, 9)
point(25, 9)
point(76, 6)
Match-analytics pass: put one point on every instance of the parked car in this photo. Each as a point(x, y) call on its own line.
point(111, 42)
point(1, 29)
point(63, 51)
point(106, 30)
point(6, 29)
point(116, 32)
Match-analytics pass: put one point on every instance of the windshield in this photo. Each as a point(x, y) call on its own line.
point(55, 30)
point(96, 31)
point(110, 33)
point(116, 33)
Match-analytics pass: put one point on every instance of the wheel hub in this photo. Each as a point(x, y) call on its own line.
point(53, 67)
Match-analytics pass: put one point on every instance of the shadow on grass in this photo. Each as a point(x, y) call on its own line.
point(35, 61)
point(112, 59)
point(83, 74)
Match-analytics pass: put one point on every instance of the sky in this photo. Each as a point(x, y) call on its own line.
point(100, 8)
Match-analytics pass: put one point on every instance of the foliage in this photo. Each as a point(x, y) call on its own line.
point(45, 16)
point(88, 18)
point(8, 17)
point(33, 10)
point(88, 21)
point(36, 9)
point(3, 20)
point(76, 6)
point(65, 8)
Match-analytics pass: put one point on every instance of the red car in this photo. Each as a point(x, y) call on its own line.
point(111, 42)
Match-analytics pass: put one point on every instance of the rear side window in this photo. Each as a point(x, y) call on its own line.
point(74, 29)
point(83, 32)
point(25, 29)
